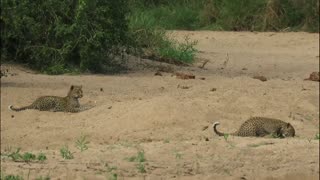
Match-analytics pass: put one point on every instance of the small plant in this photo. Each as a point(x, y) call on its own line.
point(317, 136)
point(166, 141)
point(110, 169)
point(139, 158)
point(41, 157)
point(178, 155)
point(12, 177)
point(15, 156)
point(141, 167)
point(27, 157)
point(113, 176)
point(66, 153)
point(43, 178)
point(226, 136)
point(174, 52)
point(82, 143)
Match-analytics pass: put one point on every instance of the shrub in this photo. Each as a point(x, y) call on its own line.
point(57, 36)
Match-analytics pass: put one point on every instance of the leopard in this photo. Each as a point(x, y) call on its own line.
point(261, 127)
point(70, 103)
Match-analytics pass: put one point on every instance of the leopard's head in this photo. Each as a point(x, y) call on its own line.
point(75, 91)
point(287, 130)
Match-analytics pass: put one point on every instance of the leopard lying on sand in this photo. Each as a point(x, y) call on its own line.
point(70, 103)
point(261, 126)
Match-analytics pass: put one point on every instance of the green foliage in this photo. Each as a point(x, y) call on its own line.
point(110, 169)
point(141, 168)
point(12, 177)
point(239, 15)
point(185, 52)
point(154, 42)
point(26, 157)
point(57, 36)
point(15, 156)
point(41, 157)
point(235, 15)
point(113, 176)
point(168, 14)
point(82, 143)
point(43, 178)
point(66, 153)
point(317, 136)
point(226, 136)
point(178, 155)
point(139, 158)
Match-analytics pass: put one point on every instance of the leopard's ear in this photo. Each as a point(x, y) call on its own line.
point(288, 125)
point(71, 88)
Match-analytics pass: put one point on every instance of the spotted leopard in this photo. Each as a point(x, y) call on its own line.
point(261, 126)
point(70, 103)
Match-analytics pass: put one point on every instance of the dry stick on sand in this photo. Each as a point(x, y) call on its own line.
point(203, 64)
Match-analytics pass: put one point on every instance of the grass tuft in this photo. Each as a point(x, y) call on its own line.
point(82, 143)
point(66, 153)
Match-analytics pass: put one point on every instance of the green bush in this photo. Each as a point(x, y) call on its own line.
point(59, 36)
point(240, 15)
point(152, 41)
point(234, 15)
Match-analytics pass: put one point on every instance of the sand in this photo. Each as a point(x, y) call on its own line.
point(166, 118)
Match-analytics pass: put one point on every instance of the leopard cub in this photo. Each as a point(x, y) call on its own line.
point(261, 126)
point(70, 103)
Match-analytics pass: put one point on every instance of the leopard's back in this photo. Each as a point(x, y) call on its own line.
point(262, 126)
point(50, 103)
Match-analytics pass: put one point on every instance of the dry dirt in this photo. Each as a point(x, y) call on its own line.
point(165, 117)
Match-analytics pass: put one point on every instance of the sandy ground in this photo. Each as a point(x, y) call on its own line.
point(140, 112)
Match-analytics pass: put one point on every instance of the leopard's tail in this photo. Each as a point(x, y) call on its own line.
point(214, 126)
point(19, 109)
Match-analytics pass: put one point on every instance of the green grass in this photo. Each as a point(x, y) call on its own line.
point(317, 136)
point(141, 168)
point(177, 154)
point(166, 141)
point(140, 159)
point(110, 169)
point(184, 52)
point(12, 177)
point(229, 15)
point(66, 153)
point(43, 178)
point(226, 136)
point(26, 157)
point(41, 157)
point(154, 42)
point(113, 176)
point(82, 143)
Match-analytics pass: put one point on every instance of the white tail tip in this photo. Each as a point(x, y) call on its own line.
point(10, 107)
point(215, 123)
